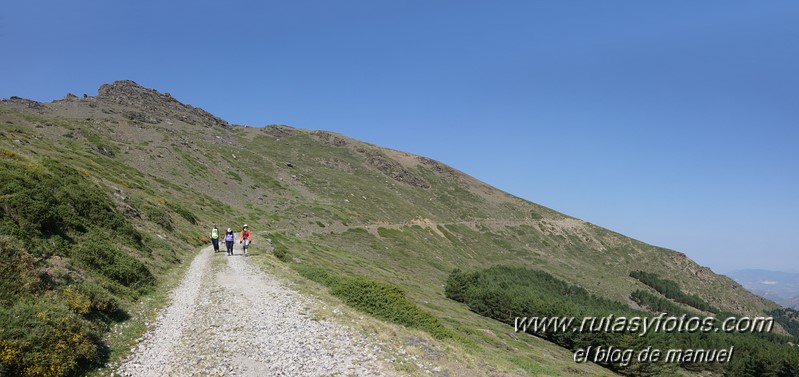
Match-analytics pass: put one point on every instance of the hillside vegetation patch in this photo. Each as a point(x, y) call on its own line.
point(505, 293)
point(672, 290)
point(382, 300)
point(66, 258)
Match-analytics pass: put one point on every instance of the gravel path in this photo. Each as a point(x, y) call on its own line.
point(228, 317)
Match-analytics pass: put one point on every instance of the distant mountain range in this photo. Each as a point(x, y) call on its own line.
point(780, 287)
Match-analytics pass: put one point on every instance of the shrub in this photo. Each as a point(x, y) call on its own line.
point(50, 325)
point(386, 301)
point(44, 337)
point(159, 216)
point(114, 264)
point(183, 212)
point(280, 253)
point(314, 273)
point(17, 278)
point(76, 301)
point(382, 300)
point(48, 200)
point(101, 301)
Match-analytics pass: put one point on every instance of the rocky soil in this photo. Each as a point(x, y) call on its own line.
point(228, 317)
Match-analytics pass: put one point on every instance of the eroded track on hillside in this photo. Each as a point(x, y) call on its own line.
point(548, 226)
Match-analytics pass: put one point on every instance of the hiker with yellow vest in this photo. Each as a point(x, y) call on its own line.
point(214, 233)
point(245, 238)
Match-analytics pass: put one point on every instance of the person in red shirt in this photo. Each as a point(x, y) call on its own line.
point(245, 238)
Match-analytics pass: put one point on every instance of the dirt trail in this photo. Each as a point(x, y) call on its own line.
point(228, 317)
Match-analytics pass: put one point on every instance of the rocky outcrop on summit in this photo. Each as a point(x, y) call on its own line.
point(23, 104)
point(391, 168)
point(440, 168)
point(126, 99)
point(330, 138)
point(154, 106)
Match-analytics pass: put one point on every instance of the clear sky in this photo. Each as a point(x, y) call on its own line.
point(673, 122)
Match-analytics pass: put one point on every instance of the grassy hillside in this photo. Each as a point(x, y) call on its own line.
point(159, 173)
point(73, 262)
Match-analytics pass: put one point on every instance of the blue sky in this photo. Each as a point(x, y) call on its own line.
point(671, 122)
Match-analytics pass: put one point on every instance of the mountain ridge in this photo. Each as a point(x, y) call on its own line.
point(332, 202)
point(128, 93)
point(396, 165)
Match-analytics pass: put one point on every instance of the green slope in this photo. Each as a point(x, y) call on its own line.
point(331, 203)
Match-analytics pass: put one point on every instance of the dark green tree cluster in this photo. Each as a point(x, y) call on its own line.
point(672, 290)
point(505, 293)
point(655, 303)
point(788, 319)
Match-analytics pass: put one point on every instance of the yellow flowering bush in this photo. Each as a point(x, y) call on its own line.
point(44, 337)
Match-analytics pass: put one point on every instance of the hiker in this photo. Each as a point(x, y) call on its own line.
point(229, 239)
point(215, 238)
point(245, 238)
